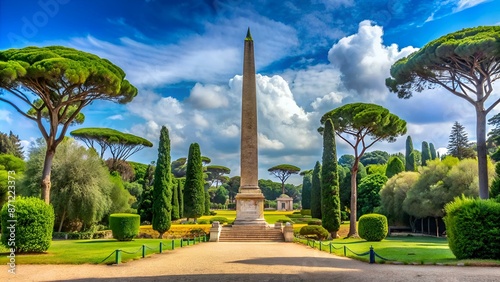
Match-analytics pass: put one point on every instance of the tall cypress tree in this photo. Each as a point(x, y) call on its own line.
point(316, 192)
point(180, 194)
point(175, 199)
point(330, 200)
point(409, 156)
point(207, 203)
point(433, 151)
point(162, 191)
point(145, 207)
point(306, 191)
point(194, 191)
point(426, 153)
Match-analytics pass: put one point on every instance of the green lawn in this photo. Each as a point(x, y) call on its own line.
point(408, 250)
point(91, 251)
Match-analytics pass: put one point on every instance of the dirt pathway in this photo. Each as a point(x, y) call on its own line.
point(248, 262)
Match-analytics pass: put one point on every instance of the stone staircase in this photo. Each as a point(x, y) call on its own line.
point(245, 233)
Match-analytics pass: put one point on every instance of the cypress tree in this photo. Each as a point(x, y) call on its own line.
point(330, 200)
point(194, 191)
point(394, 166)
point(162, 191)
point(207, 203)
point(180, 194)
point(306, 191)
point(409, 156)
point(316, 192)
point(175, 199)
point(433, 151)
point(145, 207)
point(426, 153)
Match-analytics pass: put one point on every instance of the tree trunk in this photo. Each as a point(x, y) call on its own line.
point(62, 220)
point(437, 226)
point(422, 225)
point(352, 223)
point(482, 162)
point(428, 226)
point(333, 234)
point(282, 187)
point(47, 167)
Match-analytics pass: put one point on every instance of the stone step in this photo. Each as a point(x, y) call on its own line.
point(250, 234)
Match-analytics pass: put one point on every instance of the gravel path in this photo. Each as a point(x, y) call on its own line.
point(248, 262)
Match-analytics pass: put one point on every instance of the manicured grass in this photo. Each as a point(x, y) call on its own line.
point(91, 251)
point(407, 250)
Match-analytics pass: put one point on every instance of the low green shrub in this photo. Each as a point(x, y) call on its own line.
point(80, 235)
point(220, 219)
point(59, 235)
point(213, 213)
point(314, 222)
point(473, 228)
point(373, 227)
point(295, 215)
point(125, 226)
point(285, 220)
point(32, 231)
point(296, 212)
point(305, 212)
point(315, 231)
point(102, 234)
point(203, 221)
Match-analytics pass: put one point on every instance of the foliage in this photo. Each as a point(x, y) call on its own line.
point(495, 185)
point(283, 172)
point(233, 186)
point(120, 196)
point(216, 174)
point(175, 199)
point(432, 151)
point(316, 191)
point(123, 168)
point(135, 190)
point(330, 200)
point(356, 123)
point(410, 164)
point(194, 192)
point(11, 144)
point(139, 171)
point(394, 193)
point(473, 228)
point(207, 203)
point(81, 184)
point(145, 206)
point(220, 219)
point(162, 191)
point(64, 81)
point(316, 231)
point(458, 143)
point(314, 222)
point(452, 62)
point(306, 191)
point(345, 184)
point(221, 195)
point(426, 153)
point(16, 166)
point(373, 227)
point(346, 160)
point(33, 226)
point(394, 166)
point(124, 226)
point(376, 168)
point(374, 157)
point(179, 167)
point(368, 192)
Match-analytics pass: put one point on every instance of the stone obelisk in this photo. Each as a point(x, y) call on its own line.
point(249, 200)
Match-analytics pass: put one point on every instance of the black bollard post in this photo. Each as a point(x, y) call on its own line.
point(372, 255)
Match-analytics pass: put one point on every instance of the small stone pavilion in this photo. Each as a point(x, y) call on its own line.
point(284, 203)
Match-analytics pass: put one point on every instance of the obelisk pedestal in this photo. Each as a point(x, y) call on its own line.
point(249, 200)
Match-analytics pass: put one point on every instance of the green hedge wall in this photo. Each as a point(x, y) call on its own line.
point(125, 226)
point(32, 233)
point(473, 228)
point(373, 227)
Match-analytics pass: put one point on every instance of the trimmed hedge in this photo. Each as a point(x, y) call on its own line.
point(220, 219)
point(314, 222)
point(305, 212)
point(33, 229)
point(373, 227)
point(319, 232)
point(473, 228)
point(125, 226)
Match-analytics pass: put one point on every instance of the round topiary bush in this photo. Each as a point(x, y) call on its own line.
point(125, 226)
point(314, 222)
point(319, 232)
point(32, 232)
point(373, 227)
point(473, 228)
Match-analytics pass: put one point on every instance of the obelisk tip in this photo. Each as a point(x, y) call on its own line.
point(249, 36)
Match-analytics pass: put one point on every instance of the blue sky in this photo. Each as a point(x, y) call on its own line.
point(185, 57)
